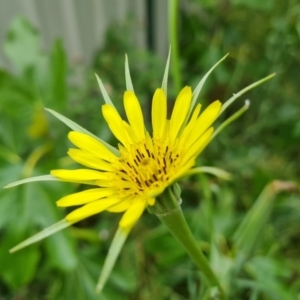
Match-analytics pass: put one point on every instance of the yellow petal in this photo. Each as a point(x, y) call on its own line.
point(180, 111)
point(120, 207)
point(198, 146)
point(89, 160)
point(106, 183)
point(91, 145)
point(115, 123)
point(205, 120)
point(155, 191)
point(166, 131)
point(159, 113)
point(134, 114)
point(80, 174)
point(187, 130)
point(133, 213)
point(210, 114)
point(151, 201)
point(130, 134)
point(84, 197)
point(195, 114)
point(90, 209)
point(183, 170)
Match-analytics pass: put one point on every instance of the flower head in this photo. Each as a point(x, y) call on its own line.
point(135, 174)
point(147, 162)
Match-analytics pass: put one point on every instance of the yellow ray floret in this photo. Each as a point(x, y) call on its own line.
point(91, 145)
point(115, 123)
point(90, 209)
point(159, 113)
point(85, 197)
point(133, 213)
point(89, 160)
point(180, 111)
point(80, 175)
point(134, 114)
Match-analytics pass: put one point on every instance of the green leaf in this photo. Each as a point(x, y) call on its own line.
point(18, 269)
point(270, 276)
point(113, 253)
point(249, 233)
point(59, 247)
point(16, 102)
point(60, 251)
point(7, 204)
point(129, 86)
point(9, 155)
point(58, 76)
point(22, 45)
point(78, 128)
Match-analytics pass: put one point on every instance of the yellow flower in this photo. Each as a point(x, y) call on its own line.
point(147, 163)
point(144, 166)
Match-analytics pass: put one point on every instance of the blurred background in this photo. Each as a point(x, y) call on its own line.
point(50, 51)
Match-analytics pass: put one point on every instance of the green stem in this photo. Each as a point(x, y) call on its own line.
point(173, 36)
point(174, 220)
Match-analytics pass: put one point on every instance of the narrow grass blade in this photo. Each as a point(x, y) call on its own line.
point(42, 234)
point(129, 86)
point(243, 91)
point(113, 253)
point(164, 84)
point(103, 91)
point(211, 170)
point(249, 233)
point(78, 128)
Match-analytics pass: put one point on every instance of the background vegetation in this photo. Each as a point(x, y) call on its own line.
point(252, 242)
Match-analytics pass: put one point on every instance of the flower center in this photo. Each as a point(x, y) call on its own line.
point(145, 165)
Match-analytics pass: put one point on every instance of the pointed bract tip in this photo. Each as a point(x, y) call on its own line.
point(13, 250)
point(97, 77)
point(128, 81)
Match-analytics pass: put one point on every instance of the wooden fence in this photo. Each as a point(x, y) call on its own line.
point(82, 24)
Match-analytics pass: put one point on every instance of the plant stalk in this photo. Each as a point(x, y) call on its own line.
point(174, 220)
point(173, 36)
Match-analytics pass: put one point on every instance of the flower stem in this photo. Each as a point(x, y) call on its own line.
point(174, 220)
point(173, 36)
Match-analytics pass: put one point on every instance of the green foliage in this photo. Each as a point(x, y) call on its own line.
point(253, 245)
